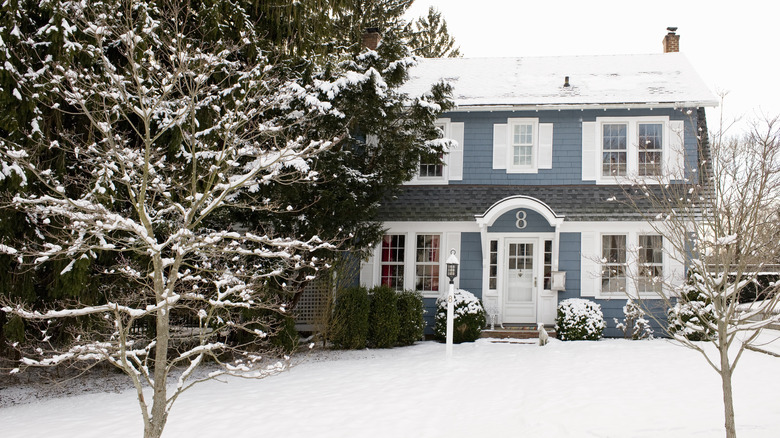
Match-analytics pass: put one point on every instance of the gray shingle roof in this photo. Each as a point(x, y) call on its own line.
point(463, 202)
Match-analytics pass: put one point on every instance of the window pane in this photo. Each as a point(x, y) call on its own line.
point(392, 268)
point(650, 264)
point(427, 256)
point(615, 156)
point(650, 136)
point(613, 270)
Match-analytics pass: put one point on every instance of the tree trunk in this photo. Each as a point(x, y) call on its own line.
point(154, 428)
point(728, 400)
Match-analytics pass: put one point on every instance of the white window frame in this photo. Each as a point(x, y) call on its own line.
point(445, 126)
point(534, 166)
point(403, 264)
point(632, 148)
point(650, 264)
point(418, 263)
point(605, 264)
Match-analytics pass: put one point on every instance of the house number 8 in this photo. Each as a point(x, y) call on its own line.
point(521, 222)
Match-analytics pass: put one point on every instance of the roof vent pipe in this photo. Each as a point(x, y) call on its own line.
point(566, 82)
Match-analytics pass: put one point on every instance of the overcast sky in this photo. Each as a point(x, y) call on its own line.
point(732, 44)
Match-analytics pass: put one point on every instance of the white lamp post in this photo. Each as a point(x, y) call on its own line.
point(452, 272)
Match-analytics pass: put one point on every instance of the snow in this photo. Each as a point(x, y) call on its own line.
point(608, 388)
point(662, 79)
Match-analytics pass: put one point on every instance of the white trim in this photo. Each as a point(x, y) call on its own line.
point(489, 217)
point(587, 106)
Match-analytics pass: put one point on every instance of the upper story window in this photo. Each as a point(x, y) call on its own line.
point(434, 168)
point(614, 140)
point(447, 166)
point(621, 149)
point(651, 146)
point(522, 145)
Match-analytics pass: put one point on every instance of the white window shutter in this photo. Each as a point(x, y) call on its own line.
point(675, 153)
point(367, 271)
point(674, 266)
point(500, 137)
point(590, 269)
point(455, 155)
point(589, 151)
point(545, 145)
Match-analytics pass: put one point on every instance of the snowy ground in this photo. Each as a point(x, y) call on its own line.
point(610, 388)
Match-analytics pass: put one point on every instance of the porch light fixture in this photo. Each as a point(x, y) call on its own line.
point(452, 267)
point(452, 272)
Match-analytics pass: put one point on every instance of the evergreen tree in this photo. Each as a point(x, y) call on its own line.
point(429, 37)
point(309, 47)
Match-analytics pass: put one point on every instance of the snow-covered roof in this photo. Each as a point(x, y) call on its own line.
point(660, 80)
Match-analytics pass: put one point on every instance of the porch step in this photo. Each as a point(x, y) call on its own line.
point(516, 332)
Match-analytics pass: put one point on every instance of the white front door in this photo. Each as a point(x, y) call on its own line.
point(520, 285)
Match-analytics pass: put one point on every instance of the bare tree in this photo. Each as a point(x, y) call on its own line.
point(714, 218)
point(177, 129)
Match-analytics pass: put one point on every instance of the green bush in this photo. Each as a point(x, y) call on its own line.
point(692, 316)
point(286, 338)
point(579, 320)
point(468, 315)
point(410, 317)
point(349, 325)
point(383, 327)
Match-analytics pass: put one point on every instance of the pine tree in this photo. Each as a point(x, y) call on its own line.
point(201, 171)
point(429, 37)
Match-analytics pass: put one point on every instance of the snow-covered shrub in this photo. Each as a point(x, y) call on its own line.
point(349, 325)
point(410, 317)
point(578, 320)
point(468, 316)
point(383, 317)
point(635, 325)
point(692, 316)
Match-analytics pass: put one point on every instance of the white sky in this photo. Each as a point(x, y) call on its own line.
point(732, 44)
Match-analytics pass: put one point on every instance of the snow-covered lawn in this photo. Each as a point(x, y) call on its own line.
point(609, 388)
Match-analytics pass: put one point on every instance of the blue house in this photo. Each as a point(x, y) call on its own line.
point(526, 198)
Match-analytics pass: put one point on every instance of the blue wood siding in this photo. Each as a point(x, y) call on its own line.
point(567, 143)
point(507, 223)
point(471, 263)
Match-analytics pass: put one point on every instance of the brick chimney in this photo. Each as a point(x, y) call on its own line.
point(671, 41)
point(371, 38)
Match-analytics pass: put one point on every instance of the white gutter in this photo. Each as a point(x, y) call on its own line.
point(582, 107)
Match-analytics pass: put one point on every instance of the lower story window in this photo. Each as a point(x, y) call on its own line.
point(548, 264)
point(427, 262)
point(613, 260)
point(393, 256)
point(651, 262)
point(493, 274)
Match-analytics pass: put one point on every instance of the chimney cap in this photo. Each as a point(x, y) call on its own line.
point(376, 30)
point(672, 30)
